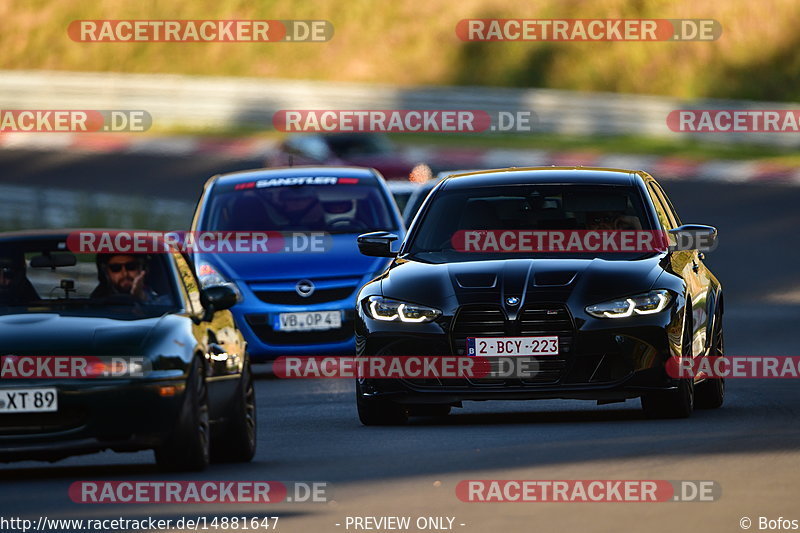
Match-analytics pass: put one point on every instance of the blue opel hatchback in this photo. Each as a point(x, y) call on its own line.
point(297, 302)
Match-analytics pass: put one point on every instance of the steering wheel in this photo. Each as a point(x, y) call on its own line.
point(348, 222)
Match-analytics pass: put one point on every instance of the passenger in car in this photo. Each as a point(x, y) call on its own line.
point(15, 288)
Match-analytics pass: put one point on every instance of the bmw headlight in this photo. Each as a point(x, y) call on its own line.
point(641, 304)
point(380, 308)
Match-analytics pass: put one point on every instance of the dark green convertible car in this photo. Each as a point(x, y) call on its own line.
point(185, 389)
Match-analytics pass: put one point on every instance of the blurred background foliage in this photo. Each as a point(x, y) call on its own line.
point(408, 42)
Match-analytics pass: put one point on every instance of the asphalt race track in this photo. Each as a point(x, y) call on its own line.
point(309, 431)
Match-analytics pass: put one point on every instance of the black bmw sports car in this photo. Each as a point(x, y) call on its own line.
point(598, 322)
point(121, 352)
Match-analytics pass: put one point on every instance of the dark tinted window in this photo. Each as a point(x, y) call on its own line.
point(416, 201)
point(525, 207)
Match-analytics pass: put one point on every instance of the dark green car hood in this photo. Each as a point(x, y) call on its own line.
point(53, 334)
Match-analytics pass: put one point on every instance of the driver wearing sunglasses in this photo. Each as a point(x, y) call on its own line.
point(123, 274)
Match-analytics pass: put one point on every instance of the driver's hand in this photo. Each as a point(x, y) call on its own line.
point(137, 289)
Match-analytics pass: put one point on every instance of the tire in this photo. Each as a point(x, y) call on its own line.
point(187, 448)
point(379, 412)
point(711, 393)
point(677, 403)
point(237, 442)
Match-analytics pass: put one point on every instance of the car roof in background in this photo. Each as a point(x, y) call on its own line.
point(295, 172)
point(400, 185)
point(542, 175)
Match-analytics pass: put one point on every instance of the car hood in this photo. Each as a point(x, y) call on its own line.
point(53, 334)
point(449, 285)
point(342, 260)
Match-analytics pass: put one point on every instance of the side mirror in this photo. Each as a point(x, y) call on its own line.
point(218, 298)
point(377, 244)
point(694, 237)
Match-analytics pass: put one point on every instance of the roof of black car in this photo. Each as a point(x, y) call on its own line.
point(542, 175)
point(295, 172)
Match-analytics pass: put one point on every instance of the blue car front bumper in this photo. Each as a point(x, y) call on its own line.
point(259, 321)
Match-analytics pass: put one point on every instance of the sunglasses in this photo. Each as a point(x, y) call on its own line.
point(130, 266)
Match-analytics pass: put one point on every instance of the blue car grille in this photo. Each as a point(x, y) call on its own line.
point(291, 297)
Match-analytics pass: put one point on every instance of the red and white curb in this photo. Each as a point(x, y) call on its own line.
point(661, 167)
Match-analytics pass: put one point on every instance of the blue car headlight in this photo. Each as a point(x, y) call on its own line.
point(385, 309)
point(641, 304)
point(208, 275)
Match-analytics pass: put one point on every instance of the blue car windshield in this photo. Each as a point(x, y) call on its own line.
point(333, 205)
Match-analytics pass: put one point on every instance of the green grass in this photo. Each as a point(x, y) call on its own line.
point(408, 43)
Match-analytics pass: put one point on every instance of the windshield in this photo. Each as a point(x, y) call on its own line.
point(334, 205)
point(416, 201)
point(37, 278)
point(521, 208)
